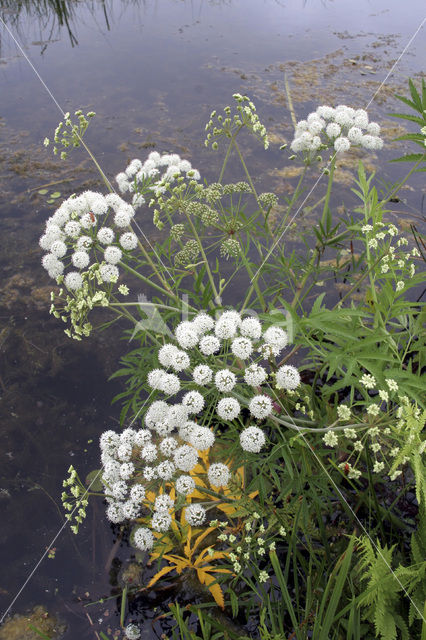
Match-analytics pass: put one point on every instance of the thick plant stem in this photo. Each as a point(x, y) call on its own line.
point(328, 193)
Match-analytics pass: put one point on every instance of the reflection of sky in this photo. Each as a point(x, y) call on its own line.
point(153, 47)
point(175, 37)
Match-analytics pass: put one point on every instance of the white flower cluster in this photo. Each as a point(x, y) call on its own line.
point(338, 127)
point(153, 456)
point(218, 341)
point(162, 168)
point(78, 228)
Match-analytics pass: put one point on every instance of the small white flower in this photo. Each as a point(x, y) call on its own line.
point(194, 401)
point(378, 466)
point(80, 259)
point(195, 515)
point(242, 348)
point(105, 235)
point(333, 130)
point(218, 475)
point(251, 328)
point(343, 412)
point(209, 345)
point(202, 374)
point(260, 406)
point(225, 380)
point(109, 273)
point(399, 285)
point(122, 218)
point(228, 408)
point(170, 384)
point(355, 135)
point(201, 438)
point(368, 381)
point(132, 632)
point(156, 379)
point(167, 446)
point(277, 337)
point(186, 430)
point(119, 490)
point(373, 410)
point(128, 241)
point(186, 334)
point(252, 439)
point(203, 323)
point(72, 229)
point(392, 384)
point(225, 328)
point(177, 415)
point(149, 452)
point(131, 510)
point(185, 457)
point(112, 255)
point(341, 144)
point(114, 513)
point(161, 521)
point(73, 281)
point(255, 375)
point(58, 248)
point(330, 439)
point(165, 470)
point(137, 493)
point(163, 502)
point(126, 470)
point(157, 412)
point(185, 485)
point(287, 377)
point(166, 354)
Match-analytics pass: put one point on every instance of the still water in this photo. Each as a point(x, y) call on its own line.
point(152, 71)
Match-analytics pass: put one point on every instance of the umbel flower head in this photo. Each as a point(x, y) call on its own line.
point(227, 346)
point(85, 231)
point(153, 174)
point(338, 128)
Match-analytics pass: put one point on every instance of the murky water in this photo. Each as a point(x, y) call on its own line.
point(152, 71)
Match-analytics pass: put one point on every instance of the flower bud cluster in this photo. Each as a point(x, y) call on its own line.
point(229, 125)
point(74, 500)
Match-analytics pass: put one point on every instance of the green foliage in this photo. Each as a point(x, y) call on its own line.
point(417, 104)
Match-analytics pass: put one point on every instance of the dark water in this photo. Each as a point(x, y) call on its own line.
point(152, 71)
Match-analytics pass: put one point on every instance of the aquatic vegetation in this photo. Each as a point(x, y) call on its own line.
point(297, 416)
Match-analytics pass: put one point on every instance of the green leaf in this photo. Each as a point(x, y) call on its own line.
point(97, 484)
point(403, 116)
point(410, 157)
point(56, 194)
point(42, 192)
point(38, 632)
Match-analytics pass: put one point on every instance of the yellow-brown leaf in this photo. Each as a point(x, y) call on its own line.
point(159, 575)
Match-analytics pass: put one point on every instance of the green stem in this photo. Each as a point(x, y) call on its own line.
point(149, 282)
point(206, 262)
point(228, 152)
point(328, 193)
